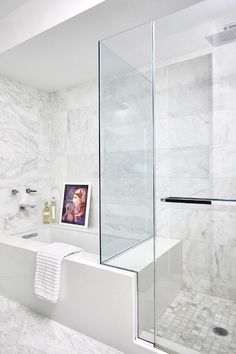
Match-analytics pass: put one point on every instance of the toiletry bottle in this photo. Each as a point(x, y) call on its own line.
point(53, 210)
point(46, 214)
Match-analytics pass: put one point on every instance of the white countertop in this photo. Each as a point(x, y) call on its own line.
point(140, 256)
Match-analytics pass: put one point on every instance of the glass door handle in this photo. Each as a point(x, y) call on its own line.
point(187, 200)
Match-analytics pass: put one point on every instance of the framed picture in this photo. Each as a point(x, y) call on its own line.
point(75, 204)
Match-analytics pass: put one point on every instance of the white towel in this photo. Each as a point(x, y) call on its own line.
point(48, 269)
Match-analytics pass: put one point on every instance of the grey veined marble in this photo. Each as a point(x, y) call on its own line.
point(22, 331)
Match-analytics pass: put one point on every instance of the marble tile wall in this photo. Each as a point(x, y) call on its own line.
point(74, 142)
point(24, 155)
point(46, 139)
point(50, 139)
point(196, 157)
point(184, 115)
point(223, 169)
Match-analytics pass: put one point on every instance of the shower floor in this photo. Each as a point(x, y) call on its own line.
point(189, 320)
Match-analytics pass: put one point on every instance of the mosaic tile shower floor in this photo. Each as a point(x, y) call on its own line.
point(189, 320)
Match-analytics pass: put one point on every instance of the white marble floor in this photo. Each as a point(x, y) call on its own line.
point(22, 331)
point(189, 320)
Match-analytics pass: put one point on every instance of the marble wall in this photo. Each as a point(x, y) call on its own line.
point(46, 139)
point(184, 114)
point(24, 157)
point(223, 170)
point(74, 142)
point(196, 157)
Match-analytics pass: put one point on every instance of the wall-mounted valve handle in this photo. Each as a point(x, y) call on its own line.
point(28, 190)
point(14, 191)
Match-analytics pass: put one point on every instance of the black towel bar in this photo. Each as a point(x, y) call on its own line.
point(187, 200)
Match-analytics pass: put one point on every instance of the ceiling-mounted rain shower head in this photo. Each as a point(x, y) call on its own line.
point(228, 35)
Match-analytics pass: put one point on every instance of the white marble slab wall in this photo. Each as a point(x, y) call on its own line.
point(223, 170)
point(24, 159)
point(184, 114)
point(74, 143)
point(46, 139)
point(196, 154)
point(50, 139)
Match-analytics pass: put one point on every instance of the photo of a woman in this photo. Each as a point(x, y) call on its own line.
point(75, 206)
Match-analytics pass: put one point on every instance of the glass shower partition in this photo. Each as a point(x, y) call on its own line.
point(187, 276)
point(126, 159)
point(196, 179)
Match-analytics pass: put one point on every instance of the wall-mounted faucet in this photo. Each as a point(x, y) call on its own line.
point(27, 206)
point(28, 201)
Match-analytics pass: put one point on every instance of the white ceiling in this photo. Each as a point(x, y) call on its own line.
point(67, 54)
point(7, 6)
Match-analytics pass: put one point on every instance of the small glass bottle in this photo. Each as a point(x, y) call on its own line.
point(46, 214)
point(53, 210)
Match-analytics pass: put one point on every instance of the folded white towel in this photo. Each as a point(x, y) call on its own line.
point(48, 269)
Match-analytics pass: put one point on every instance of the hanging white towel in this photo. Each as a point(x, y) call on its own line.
point(48, 269)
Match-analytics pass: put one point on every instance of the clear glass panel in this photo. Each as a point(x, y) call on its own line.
point(126, 161)
point(195, 258)
point(126, 140)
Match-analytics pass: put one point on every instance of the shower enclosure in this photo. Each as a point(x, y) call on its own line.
point(168, 173)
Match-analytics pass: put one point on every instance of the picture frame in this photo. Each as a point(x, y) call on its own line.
point(75, 205)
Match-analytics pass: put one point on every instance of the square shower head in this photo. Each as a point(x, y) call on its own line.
point(224, 37)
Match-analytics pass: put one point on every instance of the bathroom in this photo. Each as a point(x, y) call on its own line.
point(139, 109)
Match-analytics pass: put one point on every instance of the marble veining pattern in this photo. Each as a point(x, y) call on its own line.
point(23, 331)
point(189, 320)
point(24, 156)
point(46, 139)
point(196, 148)
point(74, 142)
